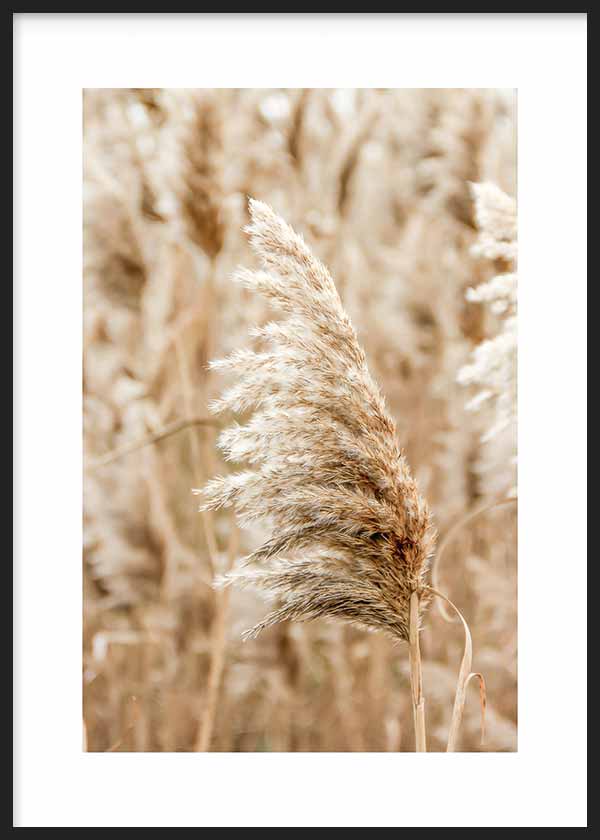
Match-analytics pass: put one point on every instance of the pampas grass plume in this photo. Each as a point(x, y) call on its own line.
point(350, 533)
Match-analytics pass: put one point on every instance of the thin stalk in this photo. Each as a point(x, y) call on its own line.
point(155, 437)
point(217, 662)
point(206, 516)
point(449, 536)
point(416, 679)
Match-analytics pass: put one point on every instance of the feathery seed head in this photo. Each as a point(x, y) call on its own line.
point(199, 187)
point(350, 533)
point(496, 217)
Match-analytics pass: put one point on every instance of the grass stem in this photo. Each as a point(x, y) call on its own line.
point(416, 679)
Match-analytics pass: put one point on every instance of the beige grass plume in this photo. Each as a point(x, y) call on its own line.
point(350, 534)
point(199, 152)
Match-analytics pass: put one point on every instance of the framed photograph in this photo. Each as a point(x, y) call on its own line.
point(297, 522)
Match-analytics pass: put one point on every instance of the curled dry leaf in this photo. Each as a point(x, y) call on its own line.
point(464, 677)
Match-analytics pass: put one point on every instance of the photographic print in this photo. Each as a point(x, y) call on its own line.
point(300, 417)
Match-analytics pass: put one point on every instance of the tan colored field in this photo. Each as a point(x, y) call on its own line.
point(379, 184)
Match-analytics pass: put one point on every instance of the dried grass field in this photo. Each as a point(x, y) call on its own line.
point(374, 456)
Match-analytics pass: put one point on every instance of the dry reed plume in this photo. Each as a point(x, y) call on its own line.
point(350, 532)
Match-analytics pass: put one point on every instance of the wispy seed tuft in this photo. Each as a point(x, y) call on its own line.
point(350, 533)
